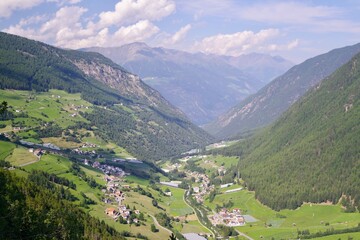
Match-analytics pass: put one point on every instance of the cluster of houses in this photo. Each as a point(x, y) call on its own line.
point(89, 145)
point(76, 108)
point(91, 153)
point(107, 169)
point(204, 185)
point(229, 218)
point(114, 193)
point(123, 212)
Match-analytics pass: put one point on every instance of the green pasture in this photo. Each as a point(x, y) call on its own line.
point(54, 105)
point(6, 148)
point(175, 203)
point(21, 156)
point(285, 223)
point(344, 236)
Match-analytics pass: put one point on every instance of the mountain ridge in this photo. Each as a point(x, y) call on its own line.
point(272, 100)
point(201, 85)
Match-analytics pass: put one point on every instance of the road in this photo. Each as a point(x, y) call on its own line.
point(243, 234)
point(159, 226)
point(195, 214)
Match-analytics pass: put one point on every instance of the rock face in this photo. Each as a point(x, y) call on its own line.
point(202, 86)
point(272, 100)
point(126, 83)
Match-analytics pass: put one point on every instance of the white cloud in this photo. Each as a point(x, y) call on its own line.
point(181, 34)
point(7, 7)
point(65, 29)
point(237, 43)
point(170, 40)
point(279, 47)
point(131, 11)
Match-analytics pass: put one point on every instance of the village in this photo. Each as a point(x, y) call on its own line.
point(204, 187)
point(115, 194)
point(232, 218)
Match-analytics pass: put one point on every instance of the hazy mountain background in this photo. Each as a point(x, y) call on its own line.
point(272, 100)
point(202, 86)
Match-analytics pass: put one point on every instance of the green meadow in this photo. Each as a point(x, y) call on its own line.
point(54, 105)
point(175, 203)
point(6, 148)
point(285, 223)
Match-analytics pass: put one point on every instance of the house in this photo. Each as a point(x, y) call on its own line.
point(168, 194)
point(111, 212)
point(135, 220)
point(137, 212)
point(37, 152)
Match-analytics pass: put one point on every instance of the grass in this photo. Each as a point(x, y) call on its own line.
point(226, 161)
point(51, 164)
point(6, 148)
point(193, 227)
point(344, 236)
point(286, 223)
point(46, 106)
point(60, 142)
point(21, 156)
point(175, 203)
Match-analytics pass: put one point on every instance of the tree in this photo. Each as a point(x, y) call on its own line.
point(154, 203)
point(172, 237)
point(3, 107)
point(153, 228)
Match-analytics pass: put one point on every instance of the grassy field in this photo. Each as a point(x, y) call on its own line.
point(175, 203)
point(286, 223)
point(21, 156)
point(6, 148)
point(54, 105)
point(226, 161)
point(345, 236)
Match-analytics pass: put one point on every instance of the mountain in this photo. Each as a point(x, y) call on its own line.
point(311, 154)
point(272, 100)
point(202, 86)
point(123, 108)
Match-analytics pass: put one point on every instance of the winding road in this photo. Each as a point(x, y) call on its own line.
point(159, 226)
point(195, 214)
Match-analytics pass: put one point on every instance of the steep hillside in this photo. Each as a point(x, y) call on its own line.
point(125, 110)
point(30, 210)
point(272, 100)
point(202, 86)
point(311, 154)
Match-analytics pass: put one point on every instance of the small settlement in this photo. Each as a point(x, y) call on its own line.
point(229, 218)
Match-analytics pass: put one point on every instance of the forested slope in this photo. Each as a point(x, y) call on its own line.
point(311, 154)
point(140, 112)
point(29, 211)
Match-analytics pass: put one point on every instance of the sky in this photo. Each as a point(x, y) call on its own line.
point(295, 30)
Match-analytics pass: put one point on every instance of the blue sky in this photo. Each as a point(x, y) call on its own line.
point(296, 30)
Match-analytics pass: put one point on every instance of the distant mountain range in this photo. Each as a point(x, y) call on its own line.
point(125, 110)
point(202, 86)
point(311, 153)
point(276, 97)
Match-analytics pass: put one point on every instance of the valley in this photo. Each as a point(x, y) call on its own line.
point(117, 161)
point(179, 204)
